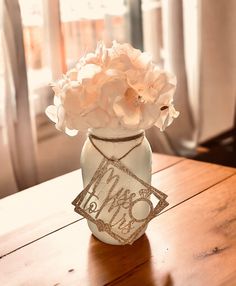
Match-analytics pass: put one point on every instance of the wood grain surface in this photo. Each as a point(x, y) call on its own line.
point(42, 209)
point(191, 243)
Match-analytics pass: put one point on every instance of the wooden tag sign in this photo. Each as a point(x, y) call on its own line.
point(111, 201)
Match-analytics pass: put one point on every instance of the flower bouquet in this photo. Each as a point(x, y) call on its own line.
point(115, 94)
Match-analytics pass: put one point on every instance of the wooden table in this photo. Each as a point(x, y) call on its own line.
point(191, 243)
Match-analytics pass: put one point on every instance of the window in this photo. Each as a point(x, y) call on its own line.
point(58, 33)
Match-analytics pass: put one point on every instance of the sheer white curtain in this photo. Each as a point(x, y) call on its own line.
point(199, 44)
point(18, 163)
point(170, 52)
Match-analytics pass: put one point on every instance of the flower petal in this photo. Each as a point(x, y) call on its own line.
point(88, 71)
point(150, 114)
point(51, 112)
point(166, 118)
point(128, 112)
point(60, 124)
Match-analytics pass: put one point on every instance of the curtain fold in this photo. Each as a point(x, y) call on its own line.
point(199, 44)
point(18, 120)
point(181, 137)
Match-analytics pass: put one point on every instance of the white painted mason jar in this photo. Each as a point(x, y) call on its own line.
point(138, 161)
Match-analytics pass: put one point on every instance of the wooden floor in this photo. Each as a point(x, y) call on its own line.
point(191, 243)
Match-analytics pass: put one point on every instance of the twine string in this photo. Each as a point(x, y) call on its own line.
point(116, 140)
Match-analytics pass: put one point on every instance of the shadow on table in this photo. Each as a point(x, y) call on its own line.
point(123, 265)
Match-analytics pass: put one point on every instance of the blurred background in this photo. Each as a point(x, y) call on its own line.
point(41, 39)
